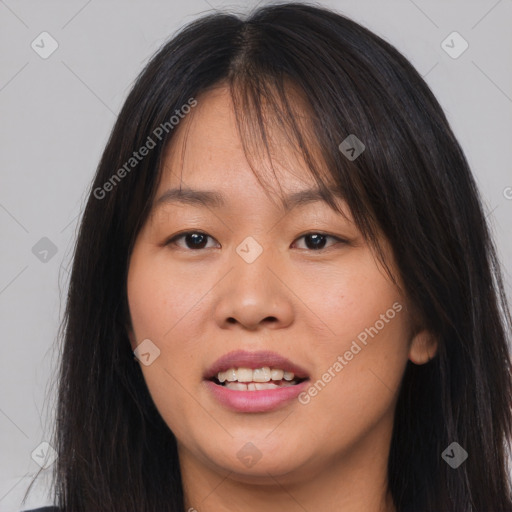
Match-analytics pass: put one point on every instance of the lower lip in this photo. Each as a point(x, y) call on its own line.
point(255, 401)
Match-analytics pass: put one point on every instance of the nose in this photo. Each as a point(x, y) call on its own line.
point(255, 294)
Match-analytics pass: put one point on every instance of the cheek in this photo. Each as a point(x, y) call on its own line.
point(166, 306)
point(361, 356)
point(355, 390)
point(161, 298)
point(353, 300)
point(156, 307)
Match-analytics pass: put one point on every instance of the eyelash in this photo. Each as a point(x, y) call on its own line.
point(172, 241)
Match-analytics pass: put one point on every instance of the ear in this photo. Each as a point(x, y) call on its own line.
point(423, 347)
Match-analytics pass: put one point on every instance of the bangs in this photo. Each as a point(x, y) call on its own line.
point(270, 108)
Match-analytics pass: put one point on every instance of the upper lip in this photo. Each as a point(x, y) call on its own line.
point(253, 360)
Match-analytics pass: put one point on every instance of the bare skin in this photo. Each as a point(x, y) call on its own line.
point(326, 453)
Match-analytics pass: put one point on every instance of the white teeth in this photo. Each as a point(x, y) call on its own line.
point(255, 386)
point(261, 374)
point(237, 386)
point(276, 374)
point(244, 375)
point(265, 385)
point(230, 375)
point(264, 374)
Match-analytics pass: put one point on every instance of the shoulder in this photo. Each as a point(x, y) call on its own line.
point(43, 509)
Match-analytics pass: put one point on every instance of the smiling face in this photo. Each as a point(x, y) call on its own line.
point(235, 270)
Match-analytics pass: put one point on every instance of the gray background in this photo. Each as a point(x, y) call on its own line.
point(56, 115)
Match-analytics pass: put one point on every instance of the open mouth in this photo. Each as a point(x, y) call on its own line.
point(255, 382)
point(258, 379)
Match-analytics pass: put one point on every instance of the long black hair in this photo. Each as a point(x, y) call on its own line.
point(412, 184)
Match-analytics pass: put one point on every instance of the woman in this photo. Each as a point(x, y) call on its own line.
point(284, 294)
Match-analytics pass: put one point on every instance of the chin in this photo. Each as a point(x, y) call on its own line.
point(260, 462)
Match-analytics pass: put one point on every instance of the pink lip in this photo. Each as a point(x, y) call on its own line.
point(255, 401)
point(244, 359)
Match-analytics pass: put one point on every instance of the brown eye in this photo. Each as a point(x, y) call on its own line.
point(193, 240)
point(317, 241)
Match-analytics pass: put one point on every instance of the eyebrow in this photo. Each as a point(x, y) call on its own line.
point(213, 199)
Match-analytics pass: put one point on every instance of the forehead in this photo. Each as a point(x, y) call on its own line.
point(207, 152)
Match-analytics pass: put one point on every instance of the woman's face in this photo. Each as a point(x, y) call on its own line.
point(298, 284)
